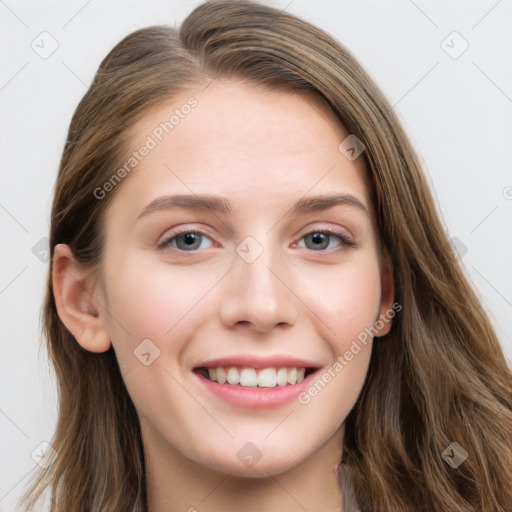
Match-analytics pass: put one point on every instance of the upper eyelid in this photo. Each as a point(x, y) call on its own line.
point(180, 231)
point(331, 231)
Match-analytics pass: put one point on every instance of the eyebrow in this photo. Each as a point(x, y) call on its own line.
point(221, 205)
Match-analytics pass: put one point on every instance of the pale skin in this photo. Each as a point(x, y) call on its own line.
point(262, 151)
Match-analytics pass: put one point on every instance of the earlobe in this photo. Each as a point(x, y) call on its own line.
point(74, 289)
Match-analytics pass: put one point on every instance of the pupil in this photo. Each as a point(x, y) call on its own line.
point(188, 241)
point(318, 239)
point(189, 238)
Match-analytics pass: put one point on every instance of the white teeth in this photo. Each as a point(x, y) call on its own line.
point(221, 376)
point(250, 377)
point(267, 378)
point(282, 377)
point(233, 376)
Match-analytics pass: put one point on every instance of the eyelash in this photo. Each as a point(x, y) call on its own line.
point(345, 241)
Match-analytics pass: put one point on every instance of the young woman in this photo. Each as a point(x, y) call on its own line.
point(252, 304)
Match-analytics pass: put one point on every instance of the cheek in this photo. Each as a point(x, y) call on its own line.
point(345, 310)
point(148, 300)
point(154, 311)
point(347, 302)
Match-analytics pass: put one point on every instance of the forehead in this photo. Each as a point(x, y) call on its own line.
point(243, 141)
point(248, 113)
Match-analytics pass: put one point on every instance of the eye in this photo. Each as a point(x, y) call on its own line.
point(186, 240)
point(320, 240)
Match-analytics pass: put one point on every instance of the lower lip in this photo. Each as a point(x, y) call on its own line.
point(254, 397)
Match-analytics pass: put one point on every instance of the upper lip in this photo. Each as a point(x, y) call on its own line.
point(254, 361)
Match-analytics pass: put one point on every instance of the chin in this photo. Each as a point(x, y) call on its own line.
point(247, 460)
point(260, 469)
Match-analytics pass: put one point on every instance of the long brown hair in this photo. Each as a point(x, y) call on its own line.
point(438, 377)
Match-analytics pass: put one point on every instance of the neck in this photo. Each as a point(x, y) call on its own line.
point(176, 483)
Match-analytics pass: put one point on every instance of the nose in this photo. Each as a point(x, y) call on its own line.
point(258, 295)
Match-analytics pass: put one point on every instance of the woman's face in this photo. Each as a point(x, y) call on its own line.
point(216, 257)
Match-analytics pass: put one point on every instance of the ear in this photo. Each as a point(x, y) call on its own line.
point(75, 291)
point(387, 285)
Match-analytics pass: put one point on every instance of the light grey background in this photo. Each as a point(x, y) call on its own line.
point(457, 109)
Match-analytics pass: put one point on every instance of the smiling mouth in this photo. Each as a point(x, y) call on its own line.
point(252, 377)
